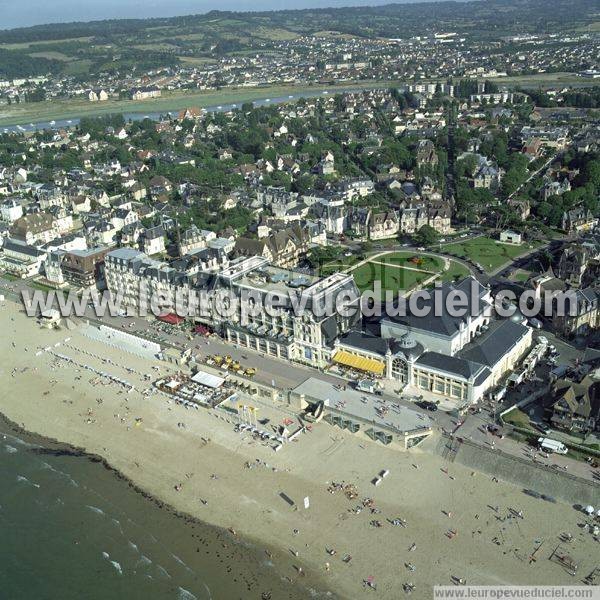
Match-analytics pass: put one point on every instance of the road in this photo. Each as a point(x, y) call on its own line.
point(475, 429)
point(535, 173)
point(284, 375)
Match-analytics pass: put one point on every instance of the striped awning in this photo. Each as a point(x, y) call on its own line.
point(370, 365)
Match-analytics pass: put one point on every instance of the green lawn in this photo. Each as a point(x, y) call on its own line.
point(489, 253)
point(456, 271)
point(403, 259)
point(396, 271)
point(391, 277)
point(41, 286)
point(340, 264)
point(518, 418)
point(9, 277)
point(521, 276)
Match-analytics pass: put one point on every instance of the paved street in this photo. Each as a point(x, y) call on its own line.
point(285, 375)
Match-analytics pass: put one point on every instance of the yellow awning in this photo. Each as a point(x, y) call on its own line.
point(359, 362)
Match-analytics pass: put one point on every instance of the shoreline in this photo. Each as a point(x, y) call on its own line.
point(141, 437)
point(60, 448)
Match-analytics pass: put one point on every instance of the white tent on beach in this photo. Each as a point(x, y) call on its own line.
point(208, 380)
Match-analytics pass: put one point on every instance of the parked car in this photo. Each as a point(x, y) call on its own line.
point(495, 430)
point(536, 323)
point(541, 427)
point(427, 405)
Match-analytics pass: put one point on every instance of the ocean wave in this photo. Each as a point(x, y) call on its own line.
point(144, 561)
point(10, 449)
point(181, 563)
point(163, 571)
point(132, 546)
point(114, 563)
point(18, 440)
point(117, 566)
point(207, 591)
point(117, 524)
point(185, 594)
point(95, 509)
point(23, 479)
point(45, 465)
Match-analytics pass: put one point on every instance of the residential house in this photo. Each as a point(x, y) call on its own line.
point(193, 239)
point(582, 314)
point(36, 228)
point(122, 217)
point(11, 209)
point(21, 259)
point(384, 225)
point(511, 237)
point(578, 219)
point(144, 93)
point(575, 406)
point(153, 241)
point(99, 95)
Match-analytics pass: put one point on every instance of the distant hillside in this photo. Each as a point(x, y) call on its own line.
point(109, 45)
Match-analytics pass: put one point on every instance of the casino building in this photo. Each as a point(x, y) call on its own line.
point(458, 358)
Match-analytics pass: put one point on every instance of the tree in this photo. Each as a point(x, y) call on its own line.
point(427, 236)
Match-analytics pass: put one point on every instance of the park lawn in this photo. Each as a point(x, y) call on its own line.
point(196, 60)
point(78, 67)
point(391, 277)
point(36, 285)
point(489, 253)
point(521, 276)
point(456, 271)
point(341, 263)
point(427, 263)
point(33, 44)
point(51, 55)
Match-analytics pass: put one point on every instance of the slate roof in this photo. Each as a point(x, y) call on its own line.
point(489, 349)
point(453, 364)
point(444, 323)
point(361, 340)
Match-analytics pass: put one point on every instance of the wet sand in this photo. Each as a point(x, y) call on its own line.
point(460, 524)
point(86, 531)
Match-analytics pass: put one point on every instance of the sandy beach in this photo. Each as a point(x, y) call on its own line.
point(452, 523)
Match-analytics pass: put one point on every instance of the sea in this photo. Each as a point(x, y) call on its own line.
point(72, 529)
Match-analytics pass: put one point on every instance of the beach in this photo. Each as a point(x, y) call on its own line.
point(429, 522)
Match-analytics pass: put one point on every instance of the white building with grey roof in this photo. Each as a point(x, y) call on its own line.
point(455, 358)
point(232, 299)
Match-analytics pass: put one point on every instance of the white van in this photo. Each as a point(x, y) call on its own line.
point(550, 446)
